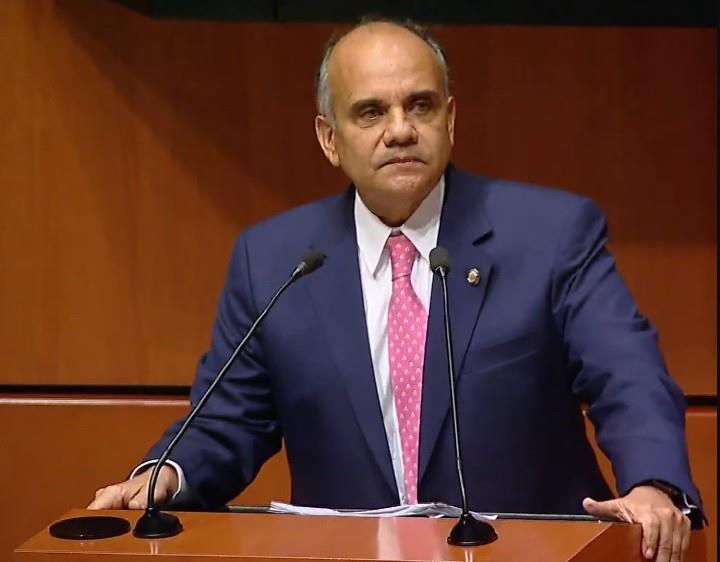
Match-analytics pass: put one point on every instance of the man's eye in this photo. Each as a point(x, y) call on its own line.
point(370, 114)
point(421, 106)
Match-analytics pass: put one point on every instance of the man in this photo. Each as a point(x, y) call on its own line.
point(350, 368)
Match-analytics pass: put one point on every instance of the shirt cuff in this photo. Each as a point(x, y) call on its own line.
point(182, 483)
point(687, 506)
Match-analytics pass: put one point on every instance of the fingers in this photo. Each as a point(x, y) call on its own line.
point(685, 536)
point(676, 552)
point(96, 502)
point(119, 496)
point(666, 517)
point(113, 497)
point(650, 534)
point(681, 528)
point(611, 509)
point(133, 493)
point(596, 508)
point(138, 500)
point(665, 530)
point(662, 532)
point(165, 487)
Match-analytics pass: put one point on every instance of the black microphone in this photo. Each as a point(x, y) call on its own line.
point(155, 524)
point(468, 531)
point(310, 261)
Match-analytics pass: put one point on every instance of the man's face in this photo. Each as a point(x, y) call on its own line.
point(393, 122)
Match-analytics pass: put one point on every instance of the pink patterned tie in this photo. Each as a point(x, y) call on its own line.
point(407, 324)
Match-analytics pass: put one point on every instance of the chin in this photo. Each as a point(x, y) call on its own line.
point(408, 182)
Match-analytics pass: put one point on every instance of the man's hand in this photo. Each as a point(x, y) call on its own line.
point(665, 530)
point(133, 493)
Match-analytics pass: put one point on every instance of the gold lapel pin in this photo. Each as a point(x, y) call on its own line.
point(473, 276)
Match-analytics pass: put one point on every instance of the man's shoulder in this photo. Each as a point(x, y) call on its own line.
point(302, 222)
point(513, 203)
point(276, 243)
point(500, 192)
point(524, 216)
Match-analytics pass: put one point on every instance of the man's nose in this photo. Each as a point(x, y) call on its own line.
point(399, 129)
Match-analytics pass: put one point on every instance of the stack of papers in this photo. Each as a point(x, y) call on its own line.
point(419, 509)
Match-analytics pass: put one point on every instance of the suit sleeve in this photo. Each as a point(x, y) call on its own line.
point(237, 431)
point(637, 409)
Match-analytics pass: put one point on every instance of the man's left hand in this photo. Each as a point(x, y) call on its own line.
point(665, 530)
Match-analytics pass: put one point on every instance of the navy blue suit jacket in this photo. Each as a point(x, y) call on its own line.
point(550, 325)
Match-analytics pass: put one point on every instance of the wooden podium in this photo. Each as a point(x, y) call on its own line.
point(286, 538)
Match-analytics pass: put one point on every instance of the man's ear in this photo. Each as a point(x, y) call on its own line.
point(326, 137)
point(451, 119)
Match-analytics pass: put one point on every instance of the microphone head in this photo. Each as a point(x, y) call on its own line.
point(310, 261)
point(439, 259)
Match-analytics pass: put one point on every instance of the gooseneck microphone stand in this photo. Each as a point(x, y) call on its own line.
point(154, 523)
point(468, 531)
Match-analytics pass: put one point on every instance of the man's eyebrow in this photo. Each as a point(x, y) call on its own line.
point(423, 95)
point(428, 94)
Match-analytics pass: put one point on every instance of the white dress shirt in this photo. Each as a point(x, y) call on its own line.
point(376, 277)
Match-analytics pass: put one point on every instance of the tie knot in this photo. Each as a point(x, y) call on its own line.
point(402, 255)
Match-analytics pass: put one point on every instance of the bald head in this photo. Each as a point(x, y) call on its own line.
point(385, 116)
point(374, 39)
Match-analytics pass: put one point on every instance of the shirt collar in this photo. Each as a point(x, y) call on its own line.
point(421, 228)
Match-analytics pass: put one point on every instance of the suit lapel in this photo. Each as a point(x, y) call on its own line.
point(336, 292)
point(463, 228)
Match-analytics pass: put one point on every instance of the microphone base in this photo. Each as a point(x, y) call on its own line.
point(155, 524)
point(469, 531)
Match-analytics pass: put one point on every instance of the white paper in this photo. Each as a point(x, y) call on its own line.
point(434, 510)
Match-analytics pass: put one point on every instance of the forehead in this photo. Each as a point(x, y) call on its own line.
point(381, 60)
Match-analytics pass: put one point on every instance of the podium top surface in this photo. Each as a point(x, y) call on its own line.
point(267, 537)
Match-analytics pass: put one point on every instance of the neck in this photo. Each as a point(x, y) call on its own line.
point(393, 219)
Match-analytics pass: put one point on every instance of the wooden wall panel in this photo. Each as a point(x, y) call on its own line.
point(133, 150)
point(702, 444)
point(627, 117)
point(57, 452)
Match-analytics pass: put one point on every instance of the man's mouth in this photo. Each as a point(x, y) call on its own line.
point(403, 160)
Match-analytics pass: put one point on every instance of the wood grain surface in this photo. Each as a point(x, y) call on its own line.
point(133, 150)
point(287, 537)
point(61, 450)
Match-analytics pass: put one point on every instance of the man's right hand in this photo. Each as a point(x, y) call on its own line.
point(132, 494)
